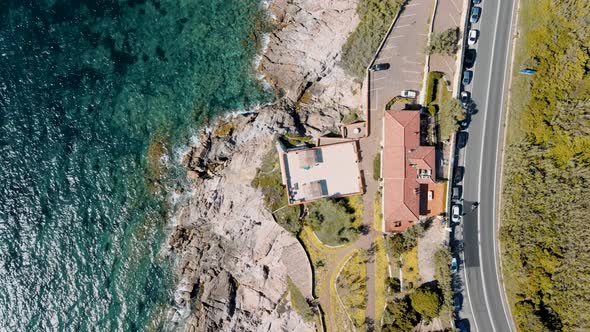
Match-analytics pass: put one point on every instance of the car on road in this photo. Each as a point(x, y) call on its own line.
point(475, 14)
point(462, 139)
point(380, 66)
point(476, 2)
point(469, 61)
point(465, 98)
point(464, 124)
point(456, 192)
point(463, 325)
point(467, 77)
point(409, 94)
point(456, 213)
point(457, 302)
point(472, 39)
point(454, 265)
point(458, 174)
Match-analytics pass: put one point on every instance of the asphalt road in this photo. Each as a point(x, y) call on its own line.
point(484, 297)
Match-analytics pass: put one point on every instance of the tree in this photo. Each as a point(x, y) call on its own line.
point(426, 302)
point(444, 42)
point(403, 316)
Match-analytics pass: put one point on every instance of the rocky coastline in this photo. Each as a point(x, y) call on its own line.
point(233, 261)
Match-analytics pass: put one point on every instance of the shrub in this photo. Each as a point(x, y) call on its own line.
point(426, 302)
point(431, 86)
point(377, 167)
point(445, 42)
point(402, 316)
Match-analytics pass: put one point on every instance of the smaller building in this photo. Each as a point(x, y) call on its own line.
point(320, 172)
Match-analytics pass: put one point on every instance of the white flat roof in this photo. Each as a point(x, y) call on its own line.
point(334, 173)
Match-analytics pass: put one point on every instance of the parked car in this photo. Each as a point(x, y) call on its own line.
point(463, 325)
point(469, 58)
point(465, 98)
point(476, 2)
point(475, 14)
point(473, 35)
point(409, 94)
point(457, 301)
point(464, 124)
point(456, 213)
point(456, 192)
point(467, 76)
point(380, 66)
point(458, 174)
point(454, 265)
point(462, 139)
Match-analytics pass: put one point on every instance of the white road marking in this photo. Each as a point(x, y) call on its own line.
point(394, 37)
point(402, 26)
point(411, 71)
point(407, 15)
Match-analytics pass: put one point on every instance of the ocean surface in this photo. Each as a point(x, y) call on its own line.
point(95, 97)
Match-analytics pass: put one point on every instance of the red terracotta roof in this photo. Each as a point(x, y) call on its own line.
point(402, 158)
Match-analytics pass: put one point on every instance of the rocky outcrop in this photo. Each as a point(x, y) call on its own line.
point(234, 261)
point(304, 50)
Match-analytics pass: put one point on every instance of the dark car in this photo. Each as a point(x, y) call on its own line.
point(461, 139)
point(464, 124)
point(458, 301)
point(476, 2)
point(465, 98)
point(475, 14)
point(463, 325)
point(380, 66)
point(469, 58)
point(458, 175)
point(467, 77)
point(456, 192)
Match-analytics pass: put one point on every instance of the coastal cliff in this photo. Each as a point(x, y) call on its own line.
point(234, 262)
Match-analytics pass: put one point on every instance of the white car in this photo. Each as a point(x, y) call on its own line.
point(455, 213)
point(409, 94)
point(473, 34)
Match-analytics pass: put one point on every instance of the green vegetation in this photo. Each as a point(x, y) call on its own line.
point(400, 316)
point(351, 117)
point(426, 302)
point(377, 213)
point(431, 87)
point(376, 17)
point(411, 273)
point(292, 140)
point(399, 243)
point(450, 112)
point(440, 102)
point(544, 233)
point(336, 221)
point(377, 167)
point(352, 287)
point(268, 180)
point(445, 42)
point(299, 302)
point(395, 100)
point(381, 275)
point(442, 273)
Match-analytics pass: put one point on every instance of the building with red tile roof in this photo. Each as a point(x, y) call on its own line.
point(407, 168)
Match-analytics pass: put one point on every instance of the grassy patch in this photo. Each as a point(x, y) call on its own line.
point(224, 129)
point(299, 302)
point(381, 276)
point(410, 270)
point(376, 17)
point(351, 117)
point(442, 273)
point(293, 140)
point(335, 221)
point(377, 167)
point(431, 87)
point(268, 180)
point(352, 287)
point(395, 100)
point(377, 213)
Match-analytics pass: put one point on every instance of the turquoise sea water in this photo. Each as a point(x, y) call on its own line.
point(92, 95)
